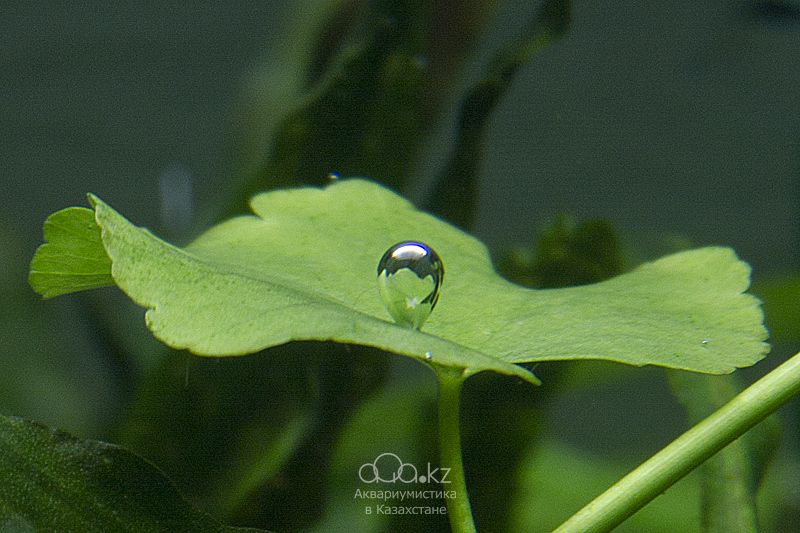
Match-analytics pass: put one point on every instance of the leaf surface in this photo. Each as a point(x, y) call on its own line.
point(304, 268)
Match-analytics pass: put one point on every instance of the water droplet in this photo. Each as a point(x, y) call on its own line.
point(429, 356)
point(410, 275)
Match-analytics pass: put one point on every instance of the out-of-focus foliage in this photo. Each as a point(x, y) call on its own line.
point(376, 76)
point(455, 196)
point(233, 432)
point(781, 297)
point(44, 369)
point(729, 480)
point(543, 499)
point(53, 481)
point(566, 254)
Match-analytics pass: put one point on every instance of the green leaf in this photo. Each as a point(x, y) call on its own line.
point(73, 258)
point(304, 268)
point(55, 482)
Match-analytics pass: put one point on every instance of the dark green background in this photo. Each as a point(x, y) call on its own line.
point(679, 117)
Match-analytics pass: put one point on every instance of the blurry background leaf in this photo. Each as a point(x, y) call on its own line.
point(566, 254)
point(53, 481)
point(245, 436)
point(543, 500)
point(730, 479)
point(49, 369)
point(377, 73)
point(397, 419)
point(455, 194)
point(781, 295)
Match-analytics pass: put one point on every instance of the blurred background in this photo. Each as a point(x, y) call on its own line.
point(677, 124)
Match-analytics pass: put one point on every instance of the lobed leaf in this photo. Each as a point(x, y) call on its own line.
point(304, 268)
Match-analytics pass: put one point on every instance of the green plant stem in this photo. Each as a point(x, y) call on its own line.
point(688, 451)
point(458, 508)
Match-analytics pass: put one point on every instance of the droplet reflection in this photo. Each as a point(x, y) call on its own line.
point(410, 275)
